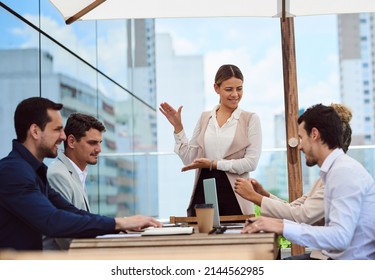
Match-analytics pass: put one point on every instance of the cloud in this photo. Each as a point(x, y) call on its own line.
point(319, 83)
point(184, 46)
point(324, 92)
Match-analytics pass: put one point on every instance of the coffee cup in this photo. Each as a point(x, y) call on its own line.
point(205, 217)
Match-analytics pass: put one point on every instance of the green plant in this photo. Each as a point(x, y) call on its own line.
point(283, 243)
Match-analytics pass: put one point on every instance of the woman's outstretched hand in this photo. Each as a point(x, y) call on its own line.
point(172, 115)
point(198, 163)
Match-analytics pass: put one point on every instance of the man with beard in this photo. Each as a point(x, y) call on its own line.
point(349, 195)
point(309, 208)
point(29, 207)
point(67, 174)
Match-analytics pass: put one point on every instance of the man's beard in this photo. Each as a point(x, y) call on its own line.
point(310, 163)
point(48, 152)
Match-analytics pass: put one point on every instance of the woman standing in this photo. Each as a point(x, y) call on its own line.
point(226, 143)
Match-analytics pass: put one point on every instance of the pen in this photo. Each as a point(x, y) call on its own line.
point(219, 230)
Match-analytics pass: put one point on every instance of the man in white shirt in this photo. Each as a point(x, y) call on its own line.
point(67, 174)
point(349, 198)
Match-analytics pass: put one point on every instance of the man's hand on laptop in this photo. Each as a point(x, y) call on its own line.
point(136, 222)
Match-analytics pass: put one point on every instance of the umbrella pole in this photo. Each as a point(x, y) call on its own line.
point(291, 114)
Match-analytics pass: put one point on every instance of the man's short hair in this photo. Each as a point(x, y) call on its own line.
point(78, 124)
point(30, 111)
point(327, 121)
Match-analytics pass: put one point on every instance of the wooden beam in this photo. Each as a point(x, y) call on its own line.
point(84, 11)
point(291, 114)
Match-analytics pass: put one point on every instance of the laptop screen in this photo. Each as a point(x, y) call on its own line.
point(210, 196)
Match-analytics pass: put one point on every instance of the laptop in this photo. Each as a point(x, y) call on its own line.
point(210, 196)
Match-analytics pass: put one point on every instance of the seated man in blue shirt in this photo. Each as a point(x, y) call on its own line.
point(349, 195)
point(29, 208)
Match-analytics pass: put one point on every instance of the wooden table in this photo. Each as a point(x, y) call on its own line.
point(197, 246)
point(259, 246)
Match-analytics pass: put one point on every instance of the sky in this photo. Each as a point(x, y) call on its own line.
point(254, 44)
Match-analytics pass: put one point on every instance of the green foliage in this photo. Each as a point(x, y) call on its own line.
point(256, 210)
point(283, 243)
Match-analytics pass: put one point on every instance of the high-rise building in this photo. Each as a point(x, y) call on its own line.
point(357, 80)
point(357, 73)
point(141, 57)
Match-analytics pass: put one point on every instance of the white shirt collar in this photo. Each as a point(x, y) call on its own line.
point(327, 163)
point(82, 174)
point(235, 115)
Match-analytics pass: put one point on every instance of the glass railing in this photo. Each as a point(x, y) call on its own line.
point(153, 183)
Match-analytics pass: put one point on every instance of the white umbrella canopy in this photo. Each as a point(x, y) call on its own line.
point(73, 10)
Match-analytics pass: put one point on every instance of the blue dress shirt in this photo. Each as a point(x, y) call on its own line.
point(30, 208)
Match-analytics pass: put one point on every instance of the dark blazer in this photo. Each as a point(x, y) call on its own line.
point(29, 207)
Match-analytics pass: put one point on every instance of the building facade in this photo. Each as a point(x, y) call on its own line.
point(357, 79)
point(357, 72)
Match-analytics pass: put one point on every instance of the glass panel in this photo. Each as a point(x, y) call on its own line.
point(145, 141)
point(271, 172)
point(114, 57)
point(115, 195)
point(24, 8)
point(80, 37)
point(19, 71)
point(143, 60)
point(175, 187)
point(75, 89)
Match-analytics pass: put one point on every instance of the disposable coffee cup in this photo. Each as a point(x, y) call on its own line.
point(205, 217)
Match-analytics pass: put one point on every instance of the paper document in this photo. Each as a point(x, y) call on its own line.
point(119, 235)
point(233, 231)
point(168, 231)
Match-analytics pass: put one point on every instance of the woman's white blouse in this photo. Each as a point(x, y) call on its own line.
point(217, 141)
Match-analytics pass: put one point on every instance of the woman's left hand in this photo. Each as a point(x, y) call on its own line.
point(197, 163)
